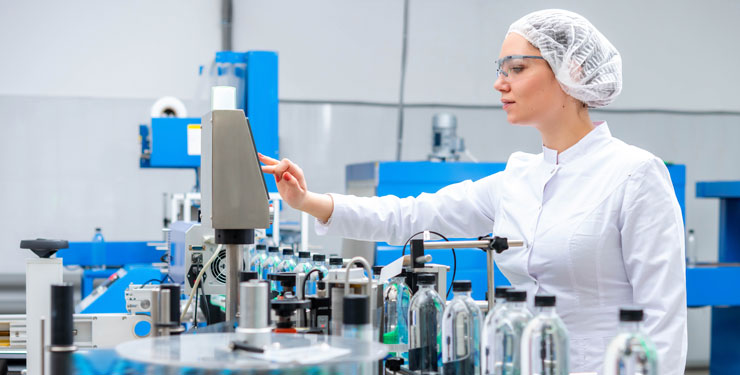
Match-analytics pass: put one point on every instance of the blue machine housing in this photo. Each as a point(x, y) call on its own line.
point(405, 179)
point(717, 285)
point(167, 147)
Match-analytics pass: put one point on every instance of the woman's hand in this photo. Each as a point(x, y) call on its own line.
point(291, 185)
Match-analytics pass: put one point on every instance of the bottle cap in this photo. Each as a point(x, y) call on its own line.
point(514, 295)
point(462, 286)
point(273, 249)
point(501, 291)
point(544, 300)
point(426, 279)
point(319, 257)
point(377, 269)
point(304, 254)
point(336, 261)
point(630, 314)
point(356, 309)
point(98, 229)
point(287, 251)
point(248, 275)
point(261, 246)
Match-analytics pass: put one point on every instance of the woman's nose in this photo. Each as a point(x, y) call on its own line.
point(500, 84)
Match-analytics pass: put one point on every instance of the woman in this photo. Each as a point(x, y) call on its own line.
point(599, 218)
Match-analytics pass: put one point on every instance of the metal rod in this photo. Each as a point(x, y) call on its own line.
point(233, 263)
point(404, 48)
point(466, 244)
point(491, 285)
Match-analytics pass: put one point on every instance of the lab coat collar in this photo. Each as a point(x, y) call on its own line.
point(591, 141)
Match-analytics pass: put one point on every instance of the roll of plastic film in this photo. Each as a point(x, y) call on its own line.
point(168, 106)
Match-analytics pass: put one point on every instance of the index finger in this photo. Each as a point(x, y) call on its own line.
point(267, 160)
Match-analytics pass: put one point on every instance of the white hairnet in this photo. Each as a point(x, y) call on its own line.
point(585, 63)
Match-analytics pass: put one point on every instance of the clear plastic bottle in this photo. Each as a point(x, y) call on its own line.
point(425, 326)
point(489, 331)
point(691, 250)
point(287, 264)
point(509, 329)
point(272, 261)
point(319, 261)
point(545, 341)
point(631, 351)
point(396, 298)
point(257, 262)
point(336, 263)
point(304, 262)
point(98, 249)
point(461, 325)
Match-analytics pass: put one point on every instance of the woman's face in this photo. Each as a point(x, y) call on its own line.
point(531, 95)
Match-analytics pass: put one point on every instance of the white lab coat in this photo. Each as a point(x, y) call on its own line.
point(602, 229)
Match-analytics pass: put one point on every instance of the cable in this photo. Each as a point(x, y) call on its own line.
point(195, 312)
point(454, 256)
point(303, 287)
point(197, 281)
point(205, 302)
point(150, 281)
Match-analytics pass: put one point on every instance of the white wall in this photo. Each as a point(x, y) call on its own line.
point(105, 49)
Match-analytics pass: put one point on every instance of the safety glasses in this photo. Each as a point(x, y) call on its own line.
point(511, 66)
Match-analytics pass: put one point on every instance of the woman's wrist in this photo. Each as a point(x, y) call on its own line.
point(320, 206)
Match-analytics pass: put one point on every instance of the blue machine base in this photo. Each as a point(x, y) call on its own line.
point(113, 299)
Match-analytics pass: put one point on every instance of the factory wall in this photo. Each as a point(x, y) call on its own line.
point(76, 80)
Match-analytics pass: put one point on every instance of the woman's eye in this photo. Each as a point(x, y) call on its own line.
point(517, 69)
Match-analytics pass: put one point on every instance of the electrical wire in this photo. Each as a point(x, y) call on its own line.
point(150, 281)
point(197, 281)
point(205, 302)
point(454, 257)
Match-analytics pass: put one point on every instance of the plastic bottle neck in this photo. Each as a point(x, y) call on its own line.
point(630, 327)
point(460, 294)
point(425, 287)
point(516, 305)
point(546, 310)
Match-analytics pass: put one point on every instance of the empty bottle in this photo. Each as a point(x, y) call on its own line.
point(98, 249)
point(304, 262)
point(272, 261)
point(545, 341)
point(509, 329)
point(396, 298)
point(461, 324)
point(287, 264)
point(319, 261)
point(425, 326)
point(489, 331)
point(257, 262)
point(631, 351)
point(691, 250)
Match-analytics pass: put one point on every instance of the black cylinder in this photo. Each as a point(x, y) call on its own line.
point(248, 275)
point(62, 309)
point(356, 309)
point(234, 236)
point(174, 302)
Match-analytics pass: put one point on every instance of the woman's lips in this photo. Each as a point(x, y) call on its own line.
point(507, 105)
